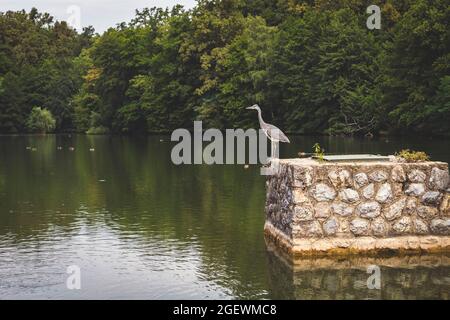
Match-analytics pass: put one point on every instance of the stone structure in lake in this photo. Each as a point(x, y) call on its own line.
point(324, 207)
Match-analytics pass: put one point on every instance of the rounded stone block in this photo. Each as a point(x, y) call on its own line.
point(349, 195)
point(398, 174)
point(411, 206)
point(395, 210)
point(303, 213)
point(439, 179)
point(308, 229)
point(369, 191)
point(416, 176)
point(420, 227)
point(378, 227)
point(342, 209)
point(322, 210)
point(331, 226)
point(415, 189)
point(378, 176)
point(359, 227)
point(384, 193)
point(370, 209)
point(303, 177)
point(426, 212)
point(432, 198)
point(402, 226)
point(323, 192)
point(361, 179)
point(440, 226)
point(340, 178)
point(300, 196)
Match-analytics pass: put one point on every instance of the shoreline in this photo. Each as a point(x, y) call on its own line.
point(293, 134)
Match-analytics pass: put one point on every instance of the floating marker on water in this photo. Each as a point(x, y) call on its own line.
point(71, 148)
point(28, 148)
point(91, 149)
point(246, 166)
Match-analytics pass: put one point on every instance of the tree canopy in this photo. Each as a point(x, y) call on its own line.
point(313, 67)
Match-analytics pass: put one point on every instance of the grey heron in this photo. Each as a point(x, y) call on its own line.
point(272, 132)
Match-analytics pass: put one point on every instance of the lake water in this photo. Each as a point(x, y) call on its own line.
point(140, 227)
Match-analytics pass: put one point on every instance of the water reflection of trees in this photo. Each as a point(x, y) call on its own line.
point(130, 186)
point(402, 277)
point(219, 209)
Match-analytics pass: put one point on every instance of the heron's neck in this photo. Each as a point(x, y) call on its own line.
point(261, 121)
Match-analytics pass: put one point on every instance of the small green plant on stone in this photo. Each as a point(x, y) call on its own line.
point(318, 151)
point(412, 156)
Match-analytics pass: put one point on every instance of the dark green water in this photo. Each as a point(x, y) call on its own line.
point(140, 227)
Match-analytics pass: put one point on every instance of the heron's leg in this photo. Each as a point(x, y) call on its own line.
point(271, 150)
point(274, 150)
point(274, 160)
point(275, 154)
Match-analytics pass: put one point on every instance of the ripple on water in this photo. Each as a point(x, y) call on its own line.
point(140, 227)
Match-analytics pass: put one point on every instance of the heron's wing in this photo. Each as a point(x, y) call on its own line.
point(276, 134)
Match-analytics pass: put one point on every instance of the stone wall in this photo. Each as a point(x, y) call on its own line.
point(343, 207)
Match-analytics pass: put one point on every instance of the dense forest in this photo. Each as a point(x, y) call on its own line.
point(312, 66)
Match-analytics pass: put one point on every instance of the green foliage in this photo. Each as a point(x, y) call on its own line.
point(437, 113)
point(331, 70)
point(318, 151)
point(417, 60)
point(98, 130)
point(412, 156)
point(40, 121)
point(313, 66)
point(36, 68)
point(237, 77)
